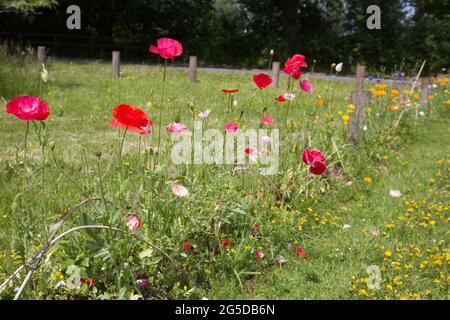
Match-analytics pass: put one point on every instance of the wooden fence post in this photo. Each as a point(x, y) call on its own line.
point(276, 74)
point(41, 54)
point(116, 64)
point(193, 68)
point(360, 99)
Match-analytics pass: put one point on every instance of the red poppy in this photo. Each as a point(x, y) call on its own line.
point(262, 80)
point(309, 156)
point(28, 108)
point(293, 64)
point(90, 282)
point(167, 48)
point(131, 118)
point(225, 243)
point(300, 252)
point(230, 91)
point(281, 99)
point(316, 160)
point(186, 245)
point(248, 151)
point(255, 229)
point(296, 74)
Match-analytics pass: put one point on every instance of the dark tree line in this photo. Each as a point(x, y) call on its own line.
point(242, 32)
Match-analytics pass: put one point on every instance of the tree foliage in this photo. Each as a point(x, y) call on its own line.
point(242, 32)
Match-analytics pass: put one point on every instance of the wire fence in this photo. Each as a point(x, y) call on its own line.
point(78, 46)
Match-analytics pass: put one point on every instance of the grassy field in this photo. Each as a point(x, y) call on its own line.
point(345, 220)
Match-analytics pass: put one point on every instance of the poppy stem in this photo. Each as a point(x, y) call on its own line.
point(101, 182)
point(161, 106)
point(25, 142)
point(121, 147)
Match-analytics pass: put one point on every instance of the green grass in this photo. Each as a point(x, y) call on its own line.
point(221, 205)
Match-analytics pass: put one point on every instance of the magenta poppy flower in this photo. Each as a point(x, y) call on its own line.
point(177, 128)
point(167, 48)
point(28, 108)
point(301, 253)
point(262, 80)
point(143, 283)
point(306, 86)
point(231, 127)
point(294, 63)
point(316, 160)
point(133, 222)
point(259, 254)
point(266, 120)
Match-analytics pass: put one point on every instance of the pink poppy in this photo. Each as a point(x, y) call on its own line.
point(262, 80)
point(293, 64)
point(204, 114)
point(133, 222)
point(28, 108)
point(225, 243)
point(300, 252)
point(280, 260)
point(167, 48)
point(316, 160)
point(179, 191)
point(231, 127)
point(177, 128)
point(260, 254)
point(266, 120)
point(306, 86)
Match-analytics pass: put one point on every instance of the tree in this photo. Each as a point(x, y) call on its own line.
point(430, 33)
point(383, 47)
point(25, 6)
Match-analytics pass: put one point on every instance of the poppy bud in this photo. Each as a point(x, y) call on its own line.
point(51, 144)
point(272, 52)
point(98, 154)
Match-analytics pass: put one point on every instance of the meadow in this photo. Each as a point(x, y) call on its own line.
point(236, 234)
